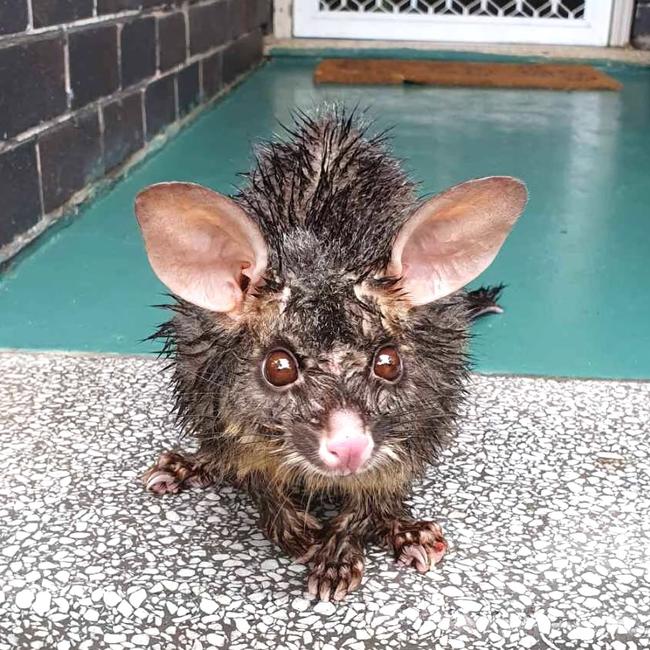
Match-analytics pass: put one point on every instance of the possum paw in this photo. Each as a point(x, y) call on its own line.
point(419, 544)
point(333, 578)
point(174, 471)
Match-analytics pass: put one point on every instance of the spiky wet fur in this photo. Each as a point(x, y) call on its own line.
point(329, 201)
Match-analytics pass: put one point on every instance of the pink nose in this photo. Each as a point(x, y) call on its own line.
point(346, 445)
point(348, 453)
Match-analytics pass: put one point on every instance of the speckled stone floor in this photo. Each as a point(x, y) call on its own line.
point(544, 497)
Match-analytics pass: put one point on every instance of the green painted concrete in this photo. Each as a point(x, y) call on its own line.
point(577, 266)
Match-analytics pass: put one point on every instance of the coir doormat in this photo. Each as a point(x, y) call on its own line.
point(549, 76)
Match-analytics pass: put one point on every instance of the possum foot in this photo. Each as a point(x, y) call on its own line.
point(334, 576)
point(419, 544)
point(174, 471)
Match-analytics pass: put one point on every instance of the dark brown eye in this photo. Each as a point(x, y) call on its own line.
point(280, 368)
point(387, 364)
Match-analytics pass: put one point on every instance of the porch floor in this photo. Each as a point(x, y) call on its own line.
point(576, 266)
point(543, 497)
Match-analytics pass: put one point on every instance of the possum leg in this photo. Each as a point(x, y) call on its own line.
point(284, 522)
point(333, 553)
point(419, 544)
point(175, 470)
point(336, 563)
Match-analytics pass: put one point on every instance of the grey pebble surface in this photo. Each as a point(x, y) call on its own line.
point(544, 497)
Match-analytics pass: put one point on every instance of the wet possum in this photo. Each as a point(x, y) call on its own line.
point(319, 336)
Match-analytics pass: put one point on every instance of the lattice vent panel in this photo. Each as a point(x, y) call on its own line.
point(559, 9)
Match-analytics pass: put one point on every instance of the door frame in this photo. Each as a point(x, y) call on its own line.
point(300, 18)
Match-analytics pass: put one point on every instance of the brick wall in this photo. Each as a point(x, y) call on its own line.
point(86, 84)
point(641, 25)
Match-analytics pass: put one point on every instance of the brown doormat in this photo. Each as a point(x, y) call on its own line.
point(550, 76)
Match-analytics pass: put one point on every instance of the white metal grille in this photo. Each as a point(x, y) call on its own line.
point(574, 22)
point(561, 9)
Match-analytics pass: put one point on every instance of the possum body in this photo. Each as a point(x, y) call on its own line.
point(319, 334)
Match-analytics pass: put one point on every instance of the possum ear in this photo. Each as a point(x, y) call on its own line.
point(201, 244)
point(454, 236)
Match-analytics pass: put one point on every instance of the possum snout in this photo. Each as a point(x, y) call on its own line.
point(339, 443)
point(346, 445)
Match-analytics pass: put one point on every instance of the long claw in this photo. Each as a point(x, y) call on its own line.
point(174, 470)
point(341, 590)
point(162, 483)
point(357, 574)
point(415, 555)
point(159, 477)
point(419, 544)
point(325, 590)
point(312, 586)
point(333, 577)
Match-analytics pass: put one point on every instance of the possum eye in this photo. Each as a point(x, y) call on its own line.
point(280, 368)
point(387, 364)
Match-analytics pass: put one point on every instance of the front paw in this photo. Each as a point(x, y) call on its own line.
point(332, 576)
point(173, 471)
point(419, 544)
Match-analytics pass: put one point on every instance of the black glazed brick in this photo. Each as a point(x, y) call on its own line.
point(123, 129)
point(238, 11)
point(242, 55)
point(93, 64)
point(212, 74)
point(171, 40)
point(259, 14)
point(115, 6)
point(247, 15)
point(13, 16)
point(71, 157)
point(21, 202)
point(208, 26)
point(55, 12)
point(160, 105)
point(32, 85)
point(138, 40)
point(188, 88)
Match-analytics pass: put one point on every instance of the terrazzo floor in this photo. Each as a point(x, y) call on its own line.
point(543, 496)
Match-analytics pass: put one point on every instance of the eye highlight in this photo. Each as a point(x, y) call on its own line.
point(280, 368)
point(387, 364)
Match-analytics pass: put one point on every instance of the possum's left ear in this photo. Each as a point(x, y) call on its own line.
point(201, 244)
point(454, 236)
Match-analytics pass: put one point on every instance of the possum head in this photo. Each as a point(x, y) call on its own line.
point(319, 319)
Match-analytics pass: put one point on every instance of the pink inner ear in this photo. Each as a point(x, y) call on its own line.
point(455, 236)
point(201, 244)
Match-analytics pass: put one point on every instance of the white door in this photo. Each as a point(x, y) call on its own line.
point(569, 22)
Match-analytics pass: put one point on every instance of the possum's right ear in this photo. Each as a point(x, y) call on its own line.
point(201, 244)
